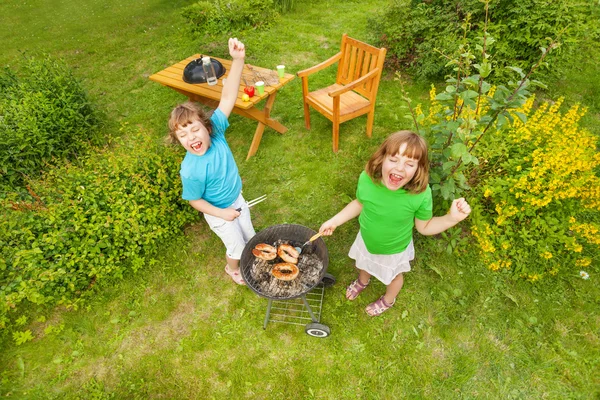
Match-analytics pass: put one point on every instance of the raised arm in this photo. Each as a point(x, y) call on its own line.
point(352, 210)
point(459, 210)
point(232, 85)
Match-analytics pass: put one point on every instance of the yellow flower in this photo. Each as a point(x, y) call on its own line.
point(583, 262)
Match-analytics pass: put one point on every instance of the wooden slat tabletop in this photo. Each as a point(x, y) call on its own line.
point(173, 77)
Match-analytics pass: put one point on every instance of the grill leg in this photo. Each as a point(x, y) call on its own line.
point(312, 316)
point(268, 313)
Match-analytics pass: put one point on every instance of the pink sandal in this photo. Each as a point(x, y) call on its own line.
point(237, 278)
point(378, 307)
point(355, 288)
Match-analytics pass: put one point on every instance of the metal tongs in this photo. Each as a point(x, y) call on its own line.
point(309, 241)
point(253, 202)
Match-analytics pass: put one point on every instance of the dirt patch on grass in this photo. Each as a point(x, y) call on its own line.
point(304, 58)
point(151, 338)
point(55, 319)
point(198, 231)
point(497, 342)
point(160, 335)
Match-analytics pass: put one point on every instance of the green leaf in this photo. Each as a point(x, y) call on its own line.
point(510, 297)
point(484, 69)
point(468, 94)
point(518, 71)
point(458, 150)
point(447, 189)
point(436, 270)
point(467, 158)
point(443, 96)
point(471, 81)
point(501, 121)
point(485, 87)
point(521, 116)
point(448, 165)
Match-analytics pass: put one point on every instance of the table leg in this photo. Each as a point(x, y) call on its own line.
point(256, 140)
point(264, 119)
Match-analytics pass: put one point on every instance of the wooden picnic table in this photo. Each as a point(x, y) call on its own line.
point(210, 95)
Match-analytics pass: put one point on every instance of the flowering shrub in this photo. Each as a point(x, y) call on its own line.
point(531, 174)
point(535, 194)
point(537, 213)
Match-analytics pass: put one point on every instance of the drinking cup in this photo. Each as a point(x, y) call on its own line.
point(260, 86)
point(280, 70)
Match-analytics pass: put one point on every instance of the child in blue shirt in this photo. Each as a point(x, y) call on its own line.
point(209, 175)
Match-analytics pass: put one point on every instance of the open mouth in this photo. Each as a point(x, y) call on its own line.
point(196, 146)
point(395, 180)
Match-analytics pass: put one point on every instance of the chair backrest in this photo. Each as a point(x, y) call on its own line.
point(358, 59)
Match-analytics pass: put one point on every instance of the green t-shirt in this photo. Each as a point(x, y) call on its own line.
point(388, 216)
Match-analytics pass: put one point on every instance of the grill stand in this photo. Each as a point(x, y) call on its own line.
point(294, 312)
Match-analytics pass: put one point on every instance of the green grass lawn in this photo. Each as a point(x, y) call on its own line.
point(180, 328)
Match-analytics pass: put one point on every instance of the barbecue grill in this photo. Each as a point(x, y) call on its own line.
point(311, 280)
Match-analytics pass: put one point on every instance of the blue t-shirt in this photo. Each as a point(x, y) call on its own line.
point(214, 175)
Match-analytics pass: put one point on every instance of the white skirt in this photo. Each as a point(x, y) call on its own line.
point(384, 267)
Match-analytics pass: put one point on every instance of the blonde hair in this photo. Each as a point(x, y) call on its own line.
point(185, 114)
point(416, 147)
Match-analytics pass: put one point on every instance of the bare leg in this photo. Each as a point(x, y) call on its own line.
point(234, 265)
point(393, 289)
point(233, 270)
point(363, 277)
point(355, 288)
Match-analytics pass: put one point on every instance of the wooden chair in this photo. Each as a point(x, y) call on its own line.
point(355, 89)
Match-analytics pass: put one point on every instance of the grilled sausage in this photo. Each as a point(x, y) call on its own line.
point(288, 253)
point(285, 271)
point(264, 251)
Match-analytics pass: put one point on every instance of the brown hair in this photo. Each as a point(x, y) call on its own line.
point(185, 114)
point(416, 147)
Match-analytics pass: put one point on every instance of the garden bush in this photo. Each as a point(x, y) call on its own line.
point(534, 189)
point(529, 175)
point(538, 200)
point(213, 17)
point(416, 32)
point(88, 223)
point(45, 116)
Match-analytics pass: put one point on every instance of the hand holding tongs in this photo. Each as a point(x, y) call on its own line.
point(253, 202)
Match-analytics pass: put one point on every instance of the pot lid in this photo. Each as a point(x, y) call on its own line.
point(193, 72)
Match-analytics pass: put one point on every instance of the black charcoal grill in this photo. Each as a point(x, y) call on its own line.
point(306, 289)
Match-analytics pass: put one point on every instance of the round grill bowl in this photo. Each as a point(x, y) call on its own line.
point(296, 235)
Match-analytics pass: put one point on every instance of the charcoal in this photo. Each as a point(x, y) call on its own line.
point(309, 265)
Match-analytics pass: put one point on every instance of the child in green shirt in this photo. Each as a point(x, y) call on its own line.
point(392, 197)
